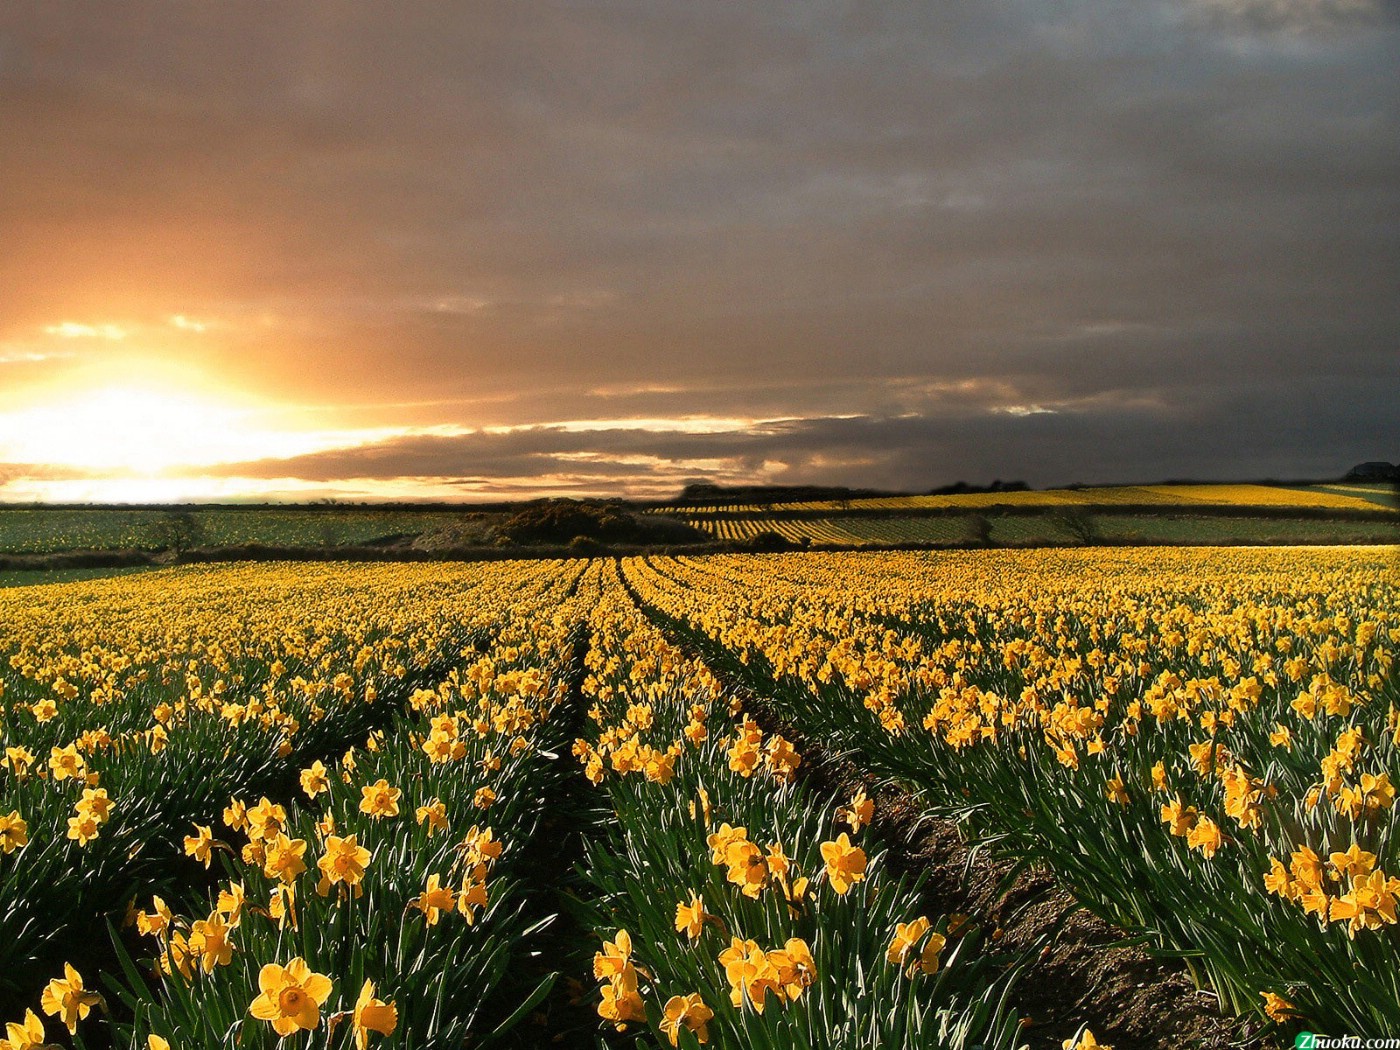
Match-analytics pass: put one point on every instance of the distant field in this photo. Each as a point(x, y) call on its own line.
point(954, 529)
point(1380, 494)
point(1145, 513)
point(25, 530)
point(1025, 529)
point(1336, 497)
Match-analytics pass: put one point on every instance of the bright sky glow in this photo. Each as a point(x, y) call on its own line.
point(682, 425)
point(144, 430)
point(74, 330)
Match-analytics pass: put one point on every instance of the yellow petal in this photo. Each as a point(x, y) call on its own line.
point(380, 1017)
point(271, 978)
point(318, 987)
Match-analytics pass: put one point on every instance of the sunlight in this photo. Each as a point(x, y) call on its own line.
point(145, 430)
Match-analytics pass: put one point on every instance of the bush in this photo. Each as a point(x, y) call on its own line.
point(1078, 523)
point(768, 541)
point(979, 528)
point(562, 521)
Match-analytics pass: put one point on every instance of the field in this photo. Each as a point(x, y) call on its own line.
point(1332, 497)
point(1047, 529)
point(44, 530)
point(1161, 514)
point(1143, 514)
point(673, 801)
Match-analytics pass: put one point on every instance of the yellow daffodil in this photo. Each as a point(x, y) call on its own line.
point(66, 998)
point(689, 1012)
point(859, 812)
point(380, 800)
point(290, 996)
point(26, 1035)
point(1086, 1041)
point(95, 804)
point(1277, 1007)
point(284, 858)
point(200, 845)
point(14, 832)
point(435, 899)
point(433, 814)
point(845, 864)
point(315, 779)
point(344, 862)
point(209, 941)
point(690, 918)
point(372, 1015)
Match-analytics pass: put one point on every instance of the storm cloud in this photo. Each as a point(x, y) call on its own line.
point(906, 242)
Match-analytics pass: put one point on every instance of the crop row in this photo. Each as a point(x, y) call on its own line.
point(737, 906)
point(1201, 747)
point(132, 725)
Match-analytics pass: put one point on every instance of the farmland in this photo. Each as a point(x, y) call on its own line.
point(78, 537)
point(1142, 514)
point(1044, 529)
point(1338, 497)
point(427, 804)
point(44, 530)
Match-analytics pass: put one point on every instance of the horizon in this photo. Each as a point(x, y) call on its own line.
point(458, 254)
point(678, 498)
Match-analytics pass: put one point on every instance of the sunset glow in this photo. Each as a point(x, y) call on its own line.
point(134, 429)
point(142, 430)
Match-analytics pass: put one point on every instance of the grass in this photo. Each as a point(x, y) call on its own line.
point(1209, 530)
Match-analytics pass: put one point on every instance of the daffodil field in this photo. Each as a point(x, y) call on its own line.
point(510, 803)
point(731, 882)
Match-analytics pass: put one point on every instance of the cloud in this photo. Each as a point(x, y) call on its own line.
point(75, 330)
point(27, 357)
point(492, 216)
point(1103, 439)
point(1291, 16)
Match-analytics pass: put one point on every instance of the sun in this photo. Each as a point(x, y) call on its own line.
point(138, 429)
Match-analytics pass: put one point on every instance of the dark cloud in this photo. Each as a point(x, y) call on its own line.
point(813, 210)
point(1256, 431)
point(1291, 16)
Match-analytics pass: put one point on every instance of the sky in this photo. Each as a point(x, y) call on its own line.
point(470, 251)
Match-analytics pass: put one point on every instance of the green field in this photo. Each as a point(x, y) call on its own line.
point(40, 530)
point(1172, 514)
